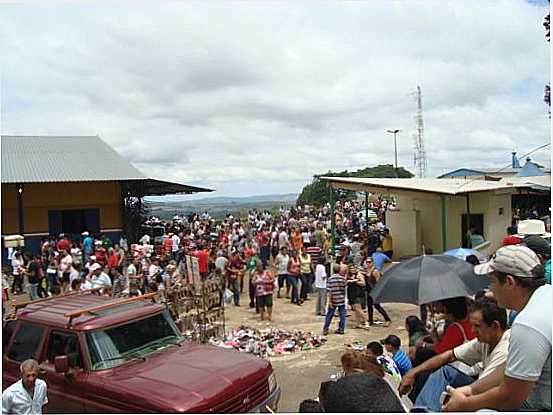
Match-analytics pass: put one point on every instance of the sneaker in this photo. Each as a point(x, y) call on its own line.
point(325, 332)
point(339, 332)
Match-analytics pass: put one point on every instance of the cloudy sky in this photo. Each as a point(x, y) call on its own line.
point(256, 97)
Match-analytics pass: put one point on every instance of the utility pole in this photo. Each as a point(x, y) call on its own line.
point(394, 132)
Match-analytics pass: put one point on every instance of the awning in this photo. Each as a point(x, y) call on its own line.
point(154, 187)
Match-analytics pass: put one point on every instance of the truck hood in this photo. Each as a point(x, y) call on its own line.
point(189, 378)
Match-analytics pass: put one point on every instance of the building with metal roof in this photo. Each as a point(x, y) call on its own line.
point(70, 184)
point(438, 213)
point(529, 169)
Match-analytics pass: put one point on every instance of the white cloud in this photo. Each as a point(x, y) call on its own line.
point(254, 98)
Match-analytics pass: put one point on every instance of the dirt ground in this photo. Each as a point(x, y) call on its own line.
point(300, 374)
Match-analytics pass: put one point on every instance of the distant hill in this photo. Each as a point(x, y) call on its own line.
point(218, 207)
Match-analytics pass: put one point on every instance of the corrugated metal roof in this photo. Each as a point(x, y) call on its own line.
point(41, 159)
point(431, 185)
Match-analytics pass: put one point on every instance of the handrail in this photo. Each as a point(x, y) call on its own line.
point(89, 310)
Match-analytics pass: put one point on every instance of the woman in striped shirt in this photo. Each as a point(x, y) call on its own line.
point(264, 282)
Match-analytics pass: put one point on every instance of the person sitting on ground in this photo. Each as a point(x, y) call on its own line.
point(376, 350)
point(459, 329)
point(484, 353)
point(359, 362)
point(416, 331)
point(392, 344)
point(524, 382)
point(359, 392)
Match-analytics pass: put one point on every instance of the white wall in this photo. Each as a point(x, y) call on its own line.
point(411, 230)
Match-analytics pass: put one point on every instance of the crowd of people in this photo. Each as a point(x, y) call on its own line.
point(288, 251)
point(491, 351)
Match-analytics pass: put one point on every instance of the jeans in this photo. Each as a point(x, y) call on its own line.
point(429, 396)
point(305, 281)
point(32, 290)
point(294, 283)
point(330, 314)
point(235, 291)
point(281, 279)
point(320, 307)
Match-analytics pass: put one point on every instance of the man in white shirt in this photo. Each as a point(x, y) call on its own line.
point(481, 356)
point(28, 395)
point(281, 264)
point(524, 382)
point(99, 279)
point(17, 268)
point(320, 286)
point(175, 246)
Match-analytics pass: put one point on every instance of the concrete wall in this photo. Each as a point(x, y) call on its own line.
point(405, 224)
point(39, 198)
point(405, 228)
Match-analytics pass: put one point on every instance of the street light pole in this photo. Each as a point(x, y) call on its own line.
point(394, 132)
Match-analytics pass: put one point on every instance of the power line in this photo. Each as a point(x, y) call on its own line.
point(509, 165)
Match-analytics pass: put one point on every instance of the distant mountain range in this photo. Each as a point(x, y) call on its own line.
point(219, 206)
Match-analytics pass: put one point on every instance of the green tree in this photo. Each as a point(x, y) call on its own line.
point(317, 192)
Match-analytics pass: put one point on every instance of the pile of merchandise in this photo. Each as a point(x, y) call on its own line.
point(268, 342)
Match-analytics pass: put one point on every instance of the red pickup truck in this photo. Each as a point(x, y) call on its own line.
point(98, 355)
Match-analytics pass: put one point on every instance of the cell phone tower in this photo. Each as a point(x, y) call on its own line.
point(420, 153)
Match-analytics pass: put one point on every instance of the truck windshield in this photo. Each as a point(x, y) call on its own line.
point(117, 345)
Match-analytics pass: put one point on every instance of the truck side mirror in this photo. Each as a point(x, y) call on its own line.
point(61, 364)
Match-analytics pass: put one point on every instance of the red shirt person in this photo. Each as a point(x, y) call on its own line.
point(459, 330)
point(511, 239)
point(203, 260)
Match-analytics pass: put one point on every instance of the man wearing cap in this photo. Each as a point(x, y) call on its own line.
point(543, 250)
point(99, 279)
point(517, 282)
point(392, 344)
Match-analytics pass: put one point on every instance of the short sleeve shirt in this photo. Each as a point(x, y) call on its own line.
point(16, 399)
point(478, 354)
point(529, 357)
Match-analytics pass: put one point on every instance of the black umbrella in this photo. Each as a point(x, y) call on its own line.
point(429, 278)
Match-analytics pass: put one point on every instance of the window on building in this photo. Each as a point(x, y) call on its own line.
point(477, 226)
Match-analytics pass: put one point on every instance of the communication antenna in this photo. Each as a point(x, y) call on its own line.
point(419, 154)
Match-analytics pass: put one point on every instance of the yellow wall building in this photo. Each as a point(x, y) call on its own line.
point(53, 185)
